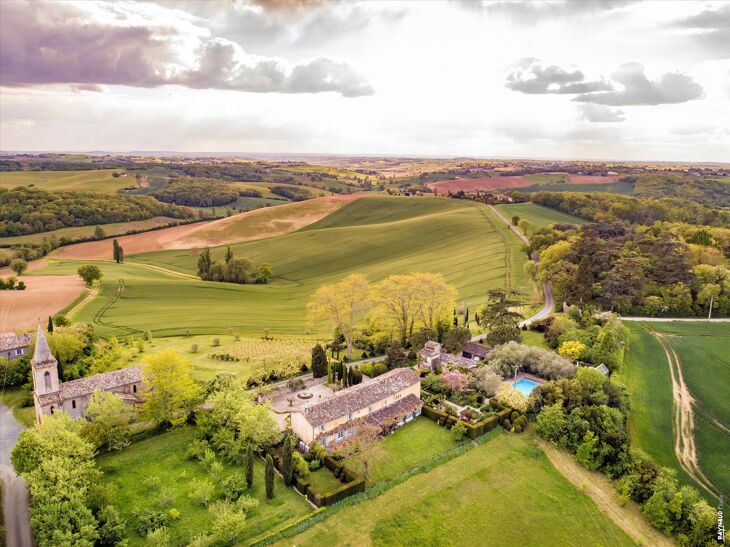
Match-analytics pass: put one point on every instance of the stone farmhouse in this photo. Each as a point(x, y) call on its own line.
point(13, 346)
point(386, 401)
point(432, 356)
point(50, 395)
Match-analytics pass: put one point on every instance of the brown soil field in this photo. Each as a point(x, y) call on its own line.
point(594, 179)
point(45, 295)
point(257, 224)
point(483, 183)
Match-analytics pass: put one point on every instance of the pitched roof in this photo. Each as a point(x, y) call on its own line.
point(430, 349)
point(400, 408)
point(105, 381)
point(10, 340)
point(42, 354)
point(360, 396)
point(477, 349)
point(457, 360)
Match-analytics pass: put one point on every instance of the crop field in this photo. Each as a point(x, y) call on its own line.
point(255, 355)
point(375, 236)
point(701, 350)
point(89, 180)
point(477, 495)
point(483, 183)
point(155, 474)
point(549, 178)
point(83, 232)
point(625, 188)
point(594, 179)
point(537, 215)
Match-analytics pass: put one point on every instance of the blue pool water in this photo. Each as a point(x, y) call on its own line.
point(523, 385)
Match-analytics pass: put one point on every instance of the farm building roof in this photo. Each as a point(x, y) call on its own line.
point(393, 412)
point(10, 340)
point(430, 349)
point(360, 396)
point(477, 349)
point(457, 360)
point(105, 381)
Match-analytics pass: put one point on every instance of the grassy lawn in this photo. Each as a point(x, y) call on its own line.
point(533, 338)
point(13, 399)
point(82, 232)
point(504, 492)
point(702, 350)
point(98, 181)
point(410, 445)
point(323, 480)
point(142, 473)
point(257, 356)
point(375, 236)
point(537, 215)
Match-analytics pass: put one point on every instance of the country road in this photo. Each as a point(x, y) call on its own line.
point(15, 491)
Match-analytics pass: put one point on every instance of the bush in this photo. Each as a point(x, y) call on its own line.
point(197, 449)
point(513, 417)
point(506, 424)
point(517, 428)
point(149, 520)
point(201, 491)
point(367, 369)
point(379, 368)
point(174, 514)
point(246, 503)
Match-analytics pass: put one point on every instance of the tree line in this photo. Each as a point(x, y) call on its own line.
point(199, 192)
point(29, 211)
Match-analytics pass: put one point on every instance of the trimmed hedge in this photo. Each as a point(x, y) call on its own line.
point(472, 430)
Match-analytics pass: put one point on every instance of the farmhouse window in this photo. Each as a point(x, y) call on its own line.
point(73, 403)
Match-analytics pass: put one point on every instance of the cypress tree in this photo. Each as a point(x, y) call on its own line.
point(60, 367)
point(204, 263)
point(249, 465)
point(287, 462)
point(50, 324)
point(118, 252)
point(466, 317)
point(269, 476)
point(319, 361)
point(229, 255)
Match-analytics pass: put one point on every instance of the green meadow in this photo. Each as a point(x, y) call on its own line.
point(702, 350)
point(503, 492)
point(375, 236)
point(95, 181)
point(537, 215)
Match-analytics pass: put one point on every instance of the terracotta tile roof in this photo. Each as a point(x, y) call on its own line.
point(49, 398)
point(105, 381)
point(477, 349)
point(457, 360)
point(430, 349)
point(10, 340)
point(390, 413)
point(361, 396)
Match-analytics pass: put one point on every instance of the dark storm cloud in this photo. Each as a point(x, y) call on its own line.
point(64, 43)
point(638, 90)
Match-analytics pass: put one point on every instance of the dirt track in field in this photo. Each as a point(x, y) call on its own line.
point(628, 517)
point(45, 295)
point(683, 423)
point(257, 224)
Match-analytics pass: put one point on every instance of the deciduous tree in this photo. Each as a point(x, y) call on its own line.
point(108, 421)
point(170, 392)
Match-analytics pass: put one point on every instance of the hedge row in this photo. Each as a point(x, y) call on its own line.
point(374, 491)
point(353, 484)
point(472, 430)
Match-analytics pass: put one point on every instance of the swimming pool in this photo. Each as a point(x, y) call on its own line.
point(525, 386)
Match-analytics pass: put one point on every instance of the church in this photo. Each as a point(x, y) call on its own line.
point(50, 395)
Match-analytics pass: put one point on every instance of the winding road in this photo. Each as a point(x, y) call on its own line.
point(15, 491)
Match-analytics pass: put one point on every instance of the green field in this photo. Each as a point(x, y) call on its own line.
point(537, 215)
point(375, 236)
point(156, 467)
point(702, 350)
point(409, 446)
point(611, 188)
point(549, 178)
point(85, 232)
point(503, 492)
point(89, 180)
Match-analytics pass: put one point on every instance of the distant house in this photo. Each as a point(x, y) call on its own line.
point(432, 356)
point(13, 346)
point(50, 395)
point(387, 401)
point(475, 352)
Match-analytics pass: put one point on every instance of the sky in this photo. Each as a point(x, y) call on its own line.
point(590, 79)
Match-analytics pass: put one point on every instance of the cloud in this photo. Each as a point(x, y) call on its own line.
point(670, 88)
point(529, 76)
point(145, 45)
point(532, 12)
point(711, 30)
point(600, 114)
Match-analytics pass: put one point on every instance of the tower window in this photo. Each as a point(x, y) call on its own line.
point(47, 380)
point(134, 388)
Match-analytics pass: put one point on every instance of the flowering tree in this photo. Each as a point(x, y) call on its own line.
point(455, 380)
point(509, 396)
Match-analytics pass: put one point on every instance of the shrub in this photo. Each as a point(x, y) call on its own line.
point(510, 397)
point(379, 368)
point(201, 491)
point(246, 503)
point(367, 369)
point(160, 537)
point(513, 416)
point(149, 520)
point(196, 449)
point(111, 526)
point(165, 498)
point(506, 424)
point(194, 348)
point(216, 342)
point(517, 428)
point(174, 514)
point(234, 486)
